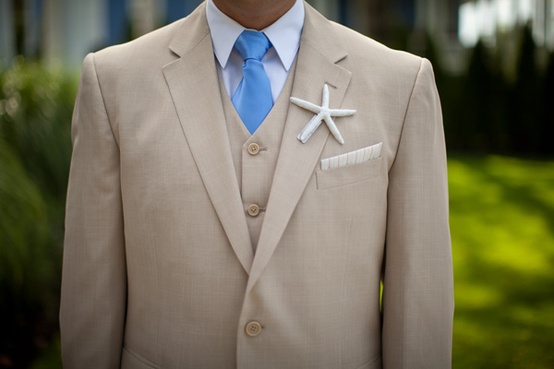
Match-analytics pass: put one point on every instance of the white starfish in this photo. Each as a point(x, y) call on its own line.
point(323, 113)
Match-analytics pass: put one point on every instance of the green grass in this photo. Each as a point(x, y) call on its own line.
point(502, 219)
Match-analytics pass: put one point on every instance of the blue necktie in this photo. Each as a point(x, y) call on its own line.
point(253, 99)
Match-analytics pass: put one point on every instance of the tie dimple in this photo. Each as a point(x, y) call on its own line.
point(252, 45)
point(253, 99)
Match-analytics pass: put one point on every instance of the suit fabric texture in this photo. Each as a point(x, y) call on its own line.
point(163, 265)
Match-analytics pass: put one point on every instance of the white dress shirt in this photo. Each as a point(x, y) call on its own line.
point(284, 35)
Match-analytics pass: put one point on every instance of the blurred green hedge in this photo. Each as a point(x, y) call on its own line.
point(35, 148)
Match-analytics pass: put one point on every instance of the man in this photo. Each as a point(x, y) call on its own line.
point(196, 241)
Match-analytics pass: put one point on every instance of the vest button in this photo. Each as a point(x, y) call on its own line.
point(253, 210)
point(253, 329)
point(253, 149)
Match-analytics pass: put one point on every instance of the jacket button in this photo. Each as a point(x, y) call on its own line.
point(253, 210)
point(253, 329)
point(253, 149)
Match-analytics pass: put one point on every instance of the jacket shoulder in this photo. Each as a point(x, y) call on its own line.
point(365, 50)
point(141, 50)
point(155, 48)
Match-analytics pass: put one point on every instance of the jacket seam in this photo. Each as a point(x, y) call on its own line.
point(416, 80)
point(93, 56)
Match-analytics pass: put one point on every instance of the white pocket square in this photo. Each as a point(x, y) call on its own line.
point(352, 158)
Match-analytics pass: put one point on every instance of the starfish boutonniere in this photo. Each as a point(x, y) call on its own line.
point(323, 114)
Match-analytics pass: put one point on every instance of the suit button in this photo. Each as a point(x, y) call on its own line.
point(253, 210)
point(253, 149)
point(253, 329)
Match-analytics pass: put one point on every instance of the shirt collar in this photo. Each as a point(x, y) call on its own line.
point(284, 34)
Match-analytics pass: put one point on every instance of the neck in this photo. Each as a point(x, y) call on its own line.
point(254, 14)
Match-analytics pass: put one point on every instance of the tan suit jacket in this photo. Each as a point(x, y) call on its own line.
point(159, 269)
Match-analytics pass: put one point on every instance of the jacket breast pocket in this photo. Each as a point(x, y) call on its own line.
point(350, 174)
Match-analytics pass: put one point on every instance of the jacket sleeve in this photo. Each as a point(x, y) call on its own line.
point(93, 293)
point(418, 302)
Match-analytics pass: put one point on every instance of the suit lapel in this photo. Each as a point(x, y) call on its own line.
point(319, 52)
point(193, 83)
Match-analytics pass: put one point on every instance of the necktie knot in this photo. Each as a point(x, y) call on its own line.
point(252, 45)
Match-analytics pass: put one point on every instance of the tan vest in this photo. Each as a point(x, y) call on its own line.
point(255, 156)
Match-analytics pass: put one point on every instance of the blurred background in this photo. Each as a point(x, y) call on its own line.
point(494, 65)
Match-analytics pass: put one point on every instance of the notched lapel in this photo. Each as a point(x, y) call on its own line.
point(316, 66)
point(193, 84)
